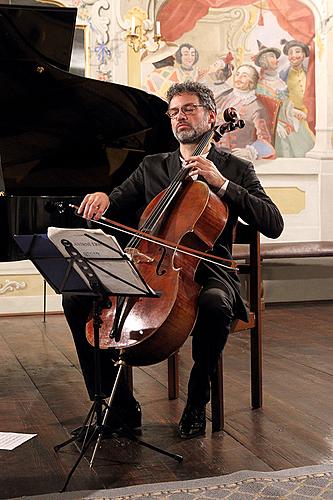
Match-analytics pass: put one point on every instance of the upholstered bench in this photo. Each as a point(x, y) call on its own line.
point(297, 249)
point(292, 255)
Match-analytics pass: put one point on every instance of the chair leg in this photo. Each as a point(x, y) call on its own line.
point(256, 367)
point(217, 398)
point(256, 332)
point(173, 376)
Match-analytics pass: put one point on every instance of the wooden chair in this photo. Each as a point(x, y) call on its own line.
point(247, 251)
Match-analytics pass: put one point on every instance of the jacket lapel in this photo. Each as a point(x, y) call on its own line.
point(173, 163)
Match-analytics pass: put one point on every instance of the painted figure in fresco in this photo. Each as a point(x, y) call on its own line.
point(271, 89)
point(187, 57)
point(176, 66)
point(254, 140)
point(216, 75)
point(297, 139)
point(164, 73)
point(269, 82)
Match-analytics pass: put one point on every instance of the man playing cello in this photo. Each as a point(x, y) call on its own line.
point(192, 111)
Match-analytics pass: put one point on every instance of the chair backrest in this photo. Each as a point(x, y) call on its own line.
point(246, 250)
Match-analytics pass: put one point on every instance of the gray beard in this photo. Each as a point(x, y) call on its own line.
point(188, 137)
point(191, 136)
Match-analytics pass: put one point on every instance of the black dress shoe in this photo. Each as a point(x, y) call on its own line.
point(193, 422)
point(120, 417)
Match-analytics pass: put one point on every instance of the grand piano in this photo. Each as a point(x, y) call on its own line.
point(62, 135)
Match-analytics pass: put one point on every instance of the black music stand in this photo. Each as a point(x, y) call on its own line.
point(68, 271)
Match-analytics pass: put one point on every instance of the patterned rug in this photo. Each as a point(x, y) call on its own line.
point(302, 483)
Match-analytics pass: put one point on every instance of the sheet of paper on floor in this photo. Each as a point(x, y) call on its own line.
point(11, 440)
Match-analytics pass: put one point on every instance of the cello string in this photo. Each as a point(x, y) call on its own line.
point(153, 217)
point(171, 191)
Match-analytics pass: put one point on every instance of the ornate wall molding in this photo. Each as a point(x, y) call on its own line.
point(11, 286)
point(100, 21)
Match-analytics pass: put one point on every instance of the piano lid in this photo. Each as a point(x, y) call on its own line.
point(49, 32)
point(61, 133)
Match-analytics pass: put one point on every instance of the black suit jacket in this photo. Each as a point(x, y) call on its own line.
point(244, 196)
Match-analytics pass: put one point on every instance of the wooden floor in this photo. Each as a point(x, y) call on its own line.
point(42, 392)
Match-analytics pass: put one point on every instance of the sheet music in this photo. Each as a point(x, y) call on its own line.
point(10, 440)
point(101, 251)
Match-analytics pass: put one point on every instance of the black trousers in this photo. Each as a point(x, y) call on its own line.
point(217, 303)
point(77, 309)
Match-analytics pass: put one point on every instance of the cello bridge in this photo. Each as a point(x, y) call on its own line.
point(138, 257)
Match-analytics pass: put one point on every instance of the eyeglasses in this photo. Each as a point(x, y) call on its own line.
point(187, 109)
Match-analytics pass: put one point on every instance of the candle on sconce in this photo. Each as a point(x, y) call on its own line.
point(158, 28)
point(133, 26)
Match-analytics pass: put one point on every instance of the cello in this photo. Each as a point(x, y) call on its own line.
point(150, 330)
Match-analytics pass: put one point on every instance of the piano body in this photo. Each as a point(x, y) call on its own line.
point(62, 135)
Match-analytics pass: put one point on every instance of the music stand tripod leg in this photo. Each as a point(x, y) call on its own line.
point(83, 430)
point(125, 431)
point(82, 453)
point(96, 409)
point(108, 406)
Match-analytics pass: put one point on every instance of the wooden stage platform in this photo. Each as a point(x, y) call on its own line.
point(42, 392)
